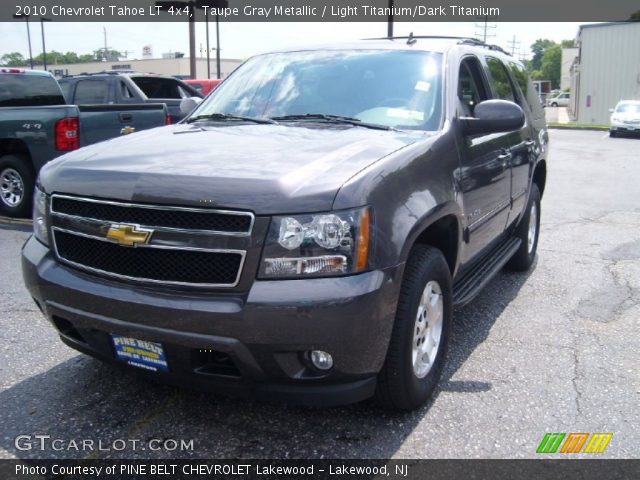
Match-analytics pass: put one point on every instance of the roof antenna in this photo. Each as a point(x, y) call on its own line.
point(411, 40)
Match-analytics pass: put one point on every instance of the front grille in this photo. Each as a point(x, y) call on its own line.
point(155, 216)
point(166, 265)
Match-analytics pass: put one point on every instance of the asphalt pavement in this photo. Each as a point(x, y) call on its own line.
point(551, 350)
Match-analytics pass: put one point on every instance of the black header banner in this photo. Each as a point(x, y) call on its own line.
point(543, 469)
point(320, 11)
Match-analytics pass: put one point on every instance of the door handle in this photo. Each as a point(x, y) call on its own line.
point(125, 117)
point(505, 159)
point(529, 143)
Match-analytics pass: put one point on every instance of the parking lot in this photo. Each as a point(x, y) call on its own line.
point(551, 350)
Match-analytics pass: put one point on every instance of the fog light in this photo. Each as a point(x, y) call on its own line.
point(321, 360)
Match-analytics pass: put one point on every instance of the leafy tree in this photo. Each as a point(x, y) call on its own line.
point(552, 65)
point(568, 43)
point(13, 59)
point(538, 48)
point(635, 16)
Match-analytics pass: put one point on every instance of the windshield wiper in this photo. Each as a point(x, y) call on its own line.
point(334, 119)
point(229, 116)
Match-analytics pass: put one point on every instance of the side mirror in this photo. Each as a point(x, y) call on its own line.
point(493, 116)
point(188, 104)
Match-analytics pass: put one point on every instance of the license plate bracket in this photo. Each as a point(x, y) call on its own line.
point(140, 353)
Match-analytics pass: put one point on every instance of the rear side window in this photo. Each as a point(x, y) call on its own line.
point(156, 87)
point(91, 91)
point(19, 90)
point(526, 87)
point(500, 82)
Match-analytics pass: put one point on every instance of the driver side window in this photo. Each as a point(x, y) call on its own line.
point(471, 90)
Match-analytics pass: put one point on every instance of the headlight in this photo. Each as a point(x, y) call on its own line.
point(323, 244)
point(40, 209)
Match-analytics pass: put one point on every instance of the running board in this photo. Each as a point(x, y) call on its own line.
point(469, 285)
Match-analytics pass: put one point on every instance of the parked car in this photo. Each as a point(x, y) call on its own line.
point(307, 247)
point(131, 87)
point(36, 125)
point(204, 86)
point(561, 100)
point(625, 118)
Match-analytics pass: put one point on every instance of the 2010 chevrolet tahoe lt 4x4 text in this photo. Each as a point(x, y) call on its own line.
point(306, 232)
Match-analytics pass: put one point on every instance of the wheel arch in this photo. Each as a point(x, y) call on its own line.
point(14, 146)
point(442, 230)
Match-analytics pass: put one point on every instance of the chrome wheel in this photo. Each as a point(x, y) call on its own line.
point(428, 329)
point(533, 227)
point(11, 187)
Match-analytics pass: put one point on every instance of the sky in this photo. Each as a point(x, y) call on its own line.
point(242, 40)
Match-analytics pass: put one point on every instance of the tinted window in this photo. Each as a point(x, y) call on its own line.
point(500, 82)
point(19, 90)
point(526, 87)
point(396, 88)
point(91, 91)
point(157, 87)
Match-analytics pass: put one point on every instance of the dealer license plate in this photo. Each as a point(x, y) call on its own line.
point(140, 353)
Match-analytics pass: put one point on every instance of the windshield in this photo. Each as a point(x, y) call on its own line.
point(628, 108)
point(397, 89)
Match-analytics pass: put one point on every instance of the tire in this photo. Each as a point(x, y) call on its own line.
point(526, 254)
point(613, 133)
point(554, 104)
point(17, 181)
point(403, 383)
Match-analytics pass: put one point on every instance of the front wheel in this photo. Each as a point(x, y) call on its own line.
point(16, 186)
point(421, 331)
point(527, 231)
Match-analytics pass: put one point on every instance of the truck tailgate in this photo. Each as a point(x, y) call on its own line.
point(102, 122)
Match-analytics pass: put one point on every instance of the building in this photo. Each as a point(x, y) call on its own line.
point(569, 56)
point(163, 66)
point(606, 71)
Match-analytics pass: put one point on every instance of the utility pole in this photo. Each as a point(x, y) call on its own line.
point(513, 44)
point(44, 48)
point(390, 20)
point(26, 17)
point(485, 29)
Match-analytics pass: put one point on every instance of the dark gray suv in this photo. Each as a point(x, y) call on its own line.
point(306, 232)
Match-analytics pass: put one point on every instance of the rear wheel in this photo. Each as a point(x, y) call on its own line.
point(16, 186)
point(554, 104)
point(421, 332)
point(527, 231)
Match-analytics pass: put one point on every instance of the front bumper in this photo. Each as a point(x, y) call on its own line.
point(625, 127)
point(250, 343)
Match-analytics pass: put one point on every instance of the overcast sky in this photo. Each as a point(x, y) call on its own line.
point(242, 40)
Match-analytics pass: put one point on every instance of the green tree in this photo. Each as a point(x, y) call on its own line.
point(538, 48)
point(551, 65)
point(635, 16)
point(13, 59)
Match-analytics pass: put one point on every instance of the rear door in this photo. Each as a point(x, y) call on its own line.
point(519, 143)
point(484, 174)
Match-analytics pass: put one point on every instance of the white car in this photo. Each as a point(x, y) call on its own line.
point(625, 117)
point(561, 100)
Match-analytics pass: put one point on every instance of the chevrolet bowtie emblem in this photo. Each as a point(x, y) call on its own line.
point(129, 235)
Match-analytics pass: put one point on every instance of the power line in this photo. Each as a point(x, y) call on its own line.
point(485, 29)
point(513, 45)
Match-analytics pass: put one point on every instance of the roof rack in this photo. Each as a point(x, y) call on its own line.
point(411, 39)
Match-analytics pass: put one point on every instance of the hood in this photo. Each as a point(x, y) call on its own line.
point(267, 169)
